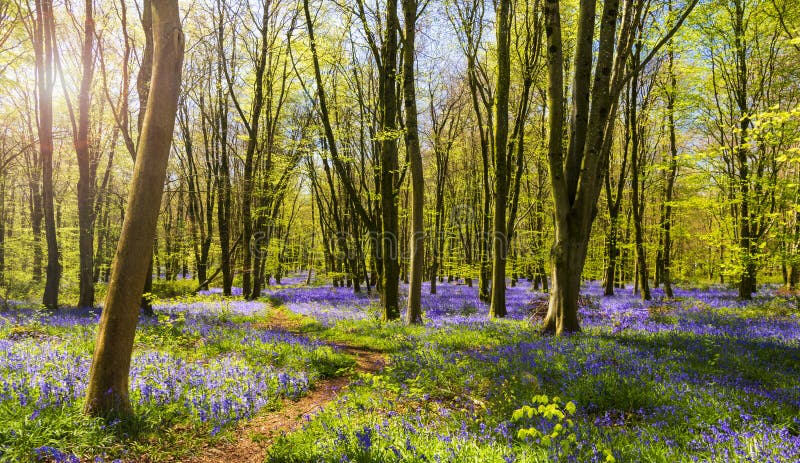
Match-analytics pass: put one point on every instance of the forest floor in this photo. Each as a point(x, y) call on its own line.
point(311, 374)
point(252, 438)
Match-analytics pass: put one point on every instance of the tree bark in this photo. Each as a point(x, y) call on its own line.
point(86, 167)
point(143, 89)
point(666, 222)
point(637, 204)
point(45, 54)
point(417, 242)
point(107, 391)
point(389, 167)
point(500, 237)
point(3, 214)
point(576, 180)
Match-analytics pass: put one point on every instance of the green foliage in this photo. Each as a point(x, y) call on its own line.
point(173, 288)
point(556, 414)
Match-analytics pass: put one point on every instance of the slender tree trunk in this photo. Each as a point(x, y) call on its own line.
point(143, 90)
point(36, 224)
point(389, 167)
point(611, 255)
point(222, 163)
point(438, 239)
point(666, 223)
point(500, 238)
point(248, 190)
point(417, 242)
point(3, 215)
point(637, 204)
point(44, 50)
point(107, 391)
point(86, 181)
point(310, 259)
point(747, 240)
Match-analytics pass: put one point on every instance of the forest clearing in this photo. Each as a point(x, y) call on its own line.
point(275, 231)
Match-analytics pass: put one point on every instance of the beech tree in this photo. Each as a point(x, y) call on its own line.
point(44, 44)
point(500, 231)
point(107, 391)
point(417, 245)
point(576, 173)
point(87, 162)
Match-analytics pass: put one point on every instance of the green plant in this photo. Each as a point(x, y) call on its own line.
point(551, 410)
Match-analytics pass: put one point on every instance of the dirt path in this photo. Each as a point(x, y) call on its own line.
point(254, 436)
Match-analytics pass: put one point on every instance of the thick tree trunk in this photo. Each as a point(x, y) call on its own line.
point(107, 391)
point(568, 254)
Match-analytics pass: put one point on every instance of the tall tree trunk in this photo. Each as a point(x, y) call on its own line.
point(747, 239)
point(222, 177)
point(637, 204)
point(576, 175)
point(107, 391)
point(614, 201)
point(3, 215)
point(253, 127)
point(666, 222)
point(417, 242)
point(44, 50)
point(143, 90)
point(86, 169)
point(500, 238)
point(389, 167)
point(612, 252)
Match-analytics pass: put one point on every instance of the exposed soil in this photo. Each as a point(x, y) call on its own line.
point(255, 436)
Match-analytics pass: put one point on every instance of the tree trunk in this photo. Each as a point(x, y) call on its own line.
point(86, 169)
point(666, 223)
point(143, 90)
point(611, 254)
point(222, 177)
point(36, 224)
point(389, 167)
point(417, 242)
point(500, 238)
point(3, 215)
point(249, 159)
point(569, 253)
point(45, 53)
point(107, 391)
point(637, 204)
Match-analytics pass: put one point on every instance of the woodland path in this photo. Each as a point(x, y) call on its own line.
point(255, 436)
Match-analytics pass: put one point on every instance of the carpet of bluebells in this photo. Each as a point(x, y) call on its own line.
point(701, 377)
point(203, 363)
